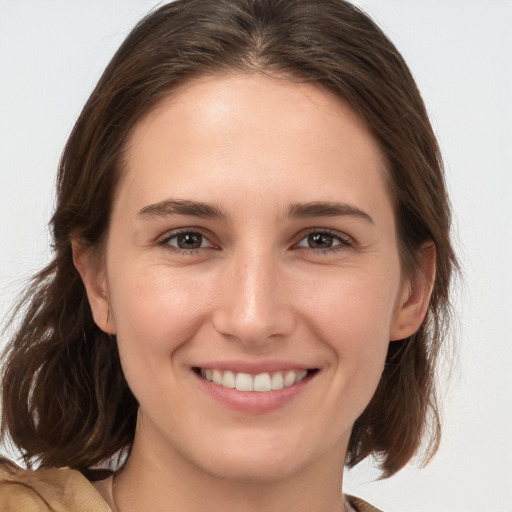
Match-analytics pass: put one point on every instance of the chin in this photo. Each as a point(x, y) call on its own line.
point(257, 458)
point(253, 470)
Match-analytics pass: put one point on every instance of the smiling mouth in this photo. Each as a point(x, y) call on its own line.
point(262, 382)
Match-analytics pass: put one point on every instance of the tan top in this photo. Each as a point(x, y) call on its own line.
point(67, 490)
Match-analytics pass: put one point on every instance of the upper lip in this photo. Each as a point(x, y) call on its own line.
point(255, 367)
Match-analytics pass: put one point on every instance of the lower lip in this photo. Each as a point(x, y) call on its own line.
point(254, 402)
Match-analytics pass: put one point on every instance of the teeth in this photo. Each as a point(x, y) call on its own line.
point(244, 382)
point(228, 380)
point(301, 375)
point(217, 377)
point(262, 382)
point(289, 378)
point(277, 381)
point(247, 382)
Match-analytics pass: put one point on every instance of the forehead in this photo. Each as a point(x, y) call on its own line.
point(224, 102)
point(253, 133)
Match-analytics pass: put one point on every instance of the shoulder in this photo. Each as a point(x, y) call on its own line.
point(46, 490)
point(360, 505)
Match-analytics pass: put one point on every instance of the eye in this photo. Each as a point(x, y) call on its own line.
point(325, 241)
point(186, 241)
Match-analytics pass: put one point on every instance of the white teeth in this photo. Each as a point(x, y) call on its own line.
point(289, 378)
point(277, 381)
point(217, 377)
point(244, 382)
point(261, 382)
point(301, 375)
point(228, 380)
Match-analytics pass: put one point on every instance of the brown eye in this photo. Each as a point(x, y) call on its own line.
point(320, 241)
point(189, 240)
point(325, 241)
point(186, 241)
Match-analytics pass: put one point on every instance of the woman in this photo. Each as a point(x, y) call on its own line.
point(251, 273)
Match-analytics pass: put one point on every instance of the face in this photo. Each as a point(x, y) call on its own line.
point(252, 245)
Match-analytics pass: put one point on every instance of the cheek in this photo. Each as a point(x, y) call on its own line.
point(353, 317)
point(355, 308)
point(155, 313)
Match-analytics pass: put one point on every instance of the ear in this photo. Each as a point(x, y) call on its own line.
point(415, 297)
point(92, 272)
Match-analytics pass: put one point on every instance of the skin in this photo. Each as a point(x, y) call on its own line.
point(254, 291)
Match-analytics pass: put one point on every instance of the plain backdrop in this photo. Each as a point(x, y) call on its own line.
point(460, 51)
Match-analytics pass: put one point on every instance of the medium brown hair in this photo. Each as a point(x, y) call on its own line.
point(65, 399)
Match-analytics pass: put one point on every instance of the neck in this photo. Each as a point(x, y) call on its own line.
point(160, 479)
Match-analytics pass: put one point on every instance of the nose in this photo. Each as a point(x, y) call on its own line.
point(255, 303)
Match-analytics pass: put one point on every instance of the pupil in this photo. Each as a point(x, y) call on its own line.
point(320, 241)
point(189, 241)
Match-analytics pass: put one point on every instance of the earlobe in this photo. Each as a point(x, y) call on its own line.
point(416, 294)
point(94, 278)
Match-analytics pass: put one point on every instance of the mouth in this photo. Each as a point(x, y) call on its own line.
point(261, 382)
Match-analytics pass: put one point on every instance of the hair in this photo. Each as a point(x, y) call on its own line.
point(65, 399)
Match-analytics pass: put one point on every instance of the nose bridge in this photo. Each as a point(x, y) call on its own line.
point(254, 305)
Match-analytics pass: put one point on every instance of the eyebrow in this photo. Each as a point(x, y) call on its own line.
point(327, 209)
point(208, 210)
point(182, 207)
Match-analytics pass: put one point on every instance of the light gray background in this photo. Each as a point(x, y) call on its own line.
point(460, 51)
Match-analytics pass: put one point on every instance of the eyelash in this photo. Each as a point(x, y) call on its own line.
point(345, 242)
point(177, 250)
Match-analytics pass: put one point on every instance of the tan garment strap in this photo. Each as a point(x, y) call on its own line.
point(361, 505)
point(47, 490)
